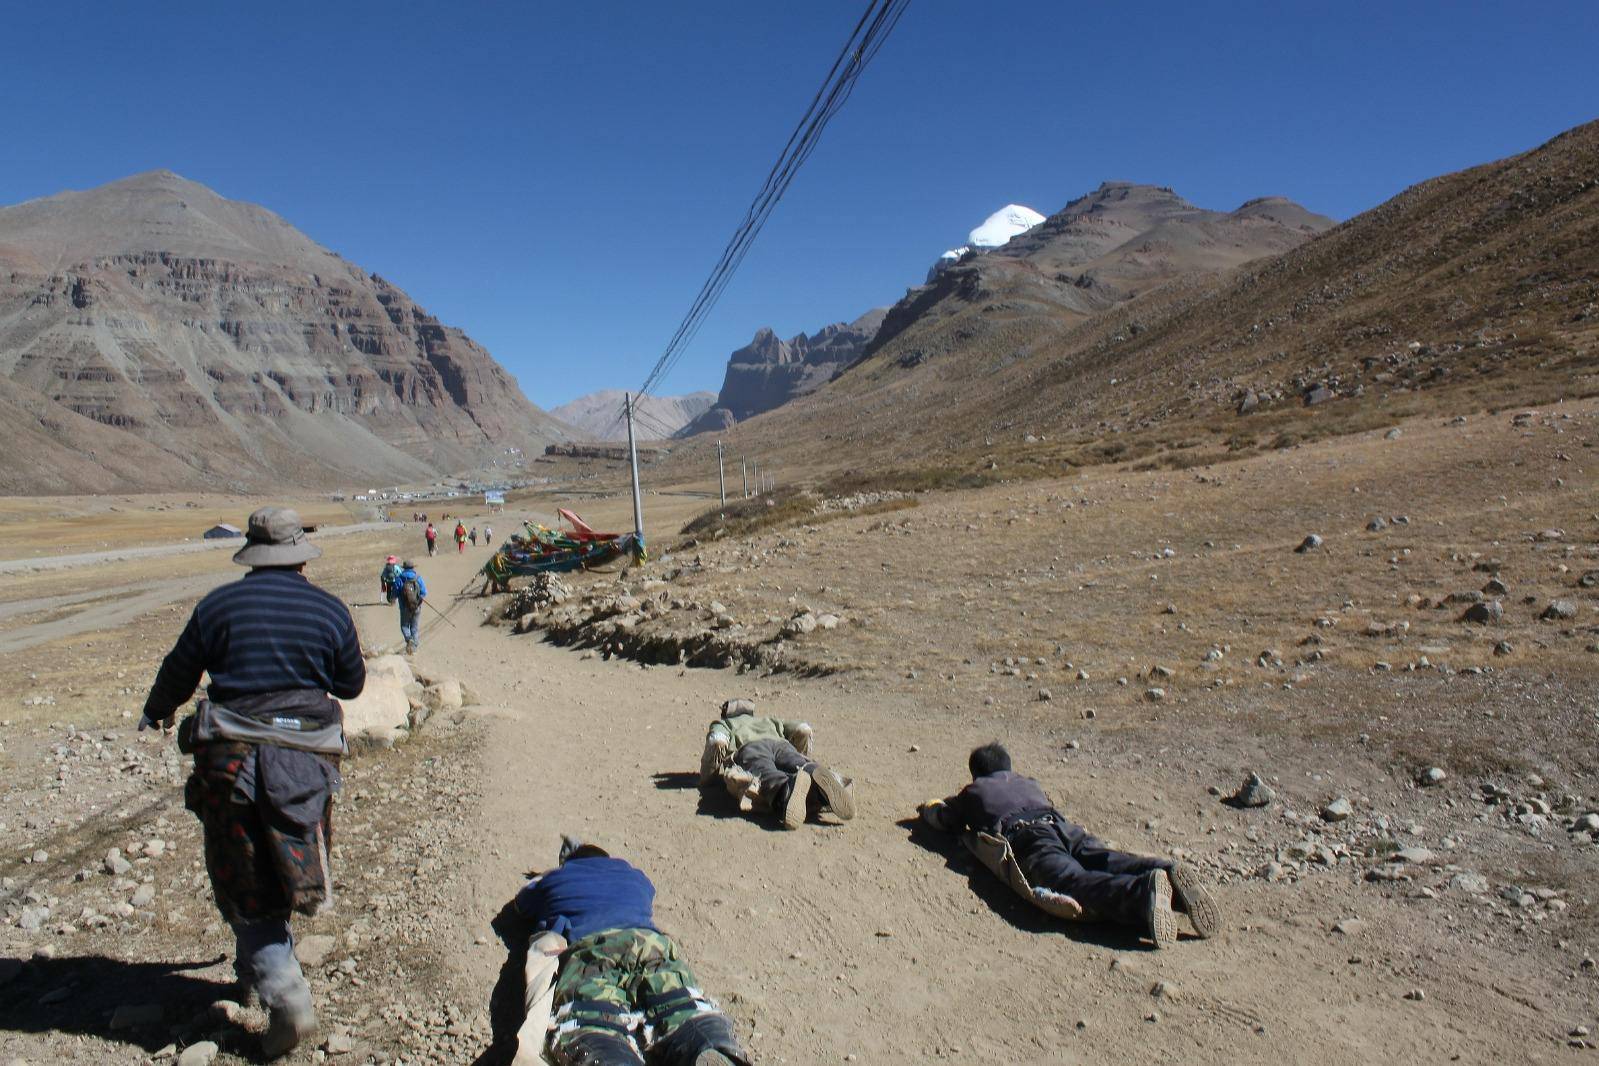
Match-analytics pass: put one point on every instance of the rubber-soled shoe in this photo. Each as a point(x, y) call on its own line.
point(1160, 922)
point(794, 809)
point(711, 1057)
point(1192, 897)
point(836, 793)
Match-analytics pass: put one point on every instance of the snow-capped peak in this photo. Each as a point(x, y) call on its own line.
point(1004, 224)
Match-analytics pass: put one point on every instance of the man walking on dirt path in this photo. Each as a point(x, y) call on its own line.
point(765, 762)
point(623, 994)
point(1059, 866)
point(411, 592)
point(460, 538)
point(432, 536)
point(266, 743)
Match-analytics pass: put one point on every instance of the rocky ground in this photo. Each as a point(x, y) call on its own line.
point(1418, 887)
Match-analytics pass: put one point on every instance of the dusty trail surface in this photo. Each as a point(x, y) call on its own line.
point(1454, 921)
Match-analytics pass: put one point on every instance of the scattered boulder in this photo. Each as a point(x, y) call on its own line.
point(1496, 587)
point(1310, 543)
point(1475, 884)
point(1254, 792)
point(445, 696)
point(1434, 775)
point(1488, 612)
point(1338, 810)
point(1559, 611)
point(382, 709)
point(198, 1054)
point(313, 950)
point(1377, 525)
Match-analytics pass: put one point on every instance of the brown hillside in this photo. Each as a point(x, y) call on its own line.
point(1477, 289)
point(155, 335)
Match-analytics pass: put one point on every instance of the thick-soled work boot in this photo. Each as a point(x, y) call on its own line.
point(838, 795)
point(794, 806)
point(1192, 897)
point(1160, 924)
point(712, 759)
point(289, 1025)
point(742, 785)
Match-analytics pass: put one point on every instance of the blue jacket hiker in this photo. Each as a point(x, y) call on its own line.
point(409, 590)
point(622, 994)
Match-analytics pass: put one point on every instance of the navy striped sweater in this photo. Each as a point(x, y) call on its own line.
point(269, 631)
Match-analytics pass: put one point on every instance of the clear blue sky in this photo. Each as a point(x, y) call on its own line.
point(557, 179)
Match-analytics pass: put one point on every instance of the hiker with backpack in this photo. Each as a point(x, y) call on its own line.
point(432, 536)
point(391, 570)
point(411, 592)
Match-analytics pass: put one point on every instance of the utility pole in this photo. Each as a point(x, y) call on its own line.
point(632, 457)
point(744, 464)
point(721, 478)
point(756, 469)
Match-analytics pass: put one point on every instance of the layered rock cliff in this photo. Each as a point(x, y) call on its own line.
point(769, 372)
point(223, 348)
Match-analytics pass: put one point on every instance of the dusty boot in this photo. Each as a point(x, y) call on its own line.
point(795, 808)
point(741, 785)
point(291, 1023)
point(1194, 899)
point(712, 759)
point(1160, 924)
point(837, 793)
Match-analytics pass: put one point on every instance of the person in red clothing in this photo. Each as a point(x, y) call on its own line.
point(460, 537)
point(433, 539)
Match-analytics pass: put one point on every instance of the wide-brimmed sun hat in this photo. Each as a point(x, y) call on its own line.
point(275, 537)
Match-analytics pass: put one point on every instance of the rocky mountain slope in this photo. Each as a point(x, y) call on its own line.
point(597, 416)
point(769, 372)
point(154, 335)
point(1470, 291)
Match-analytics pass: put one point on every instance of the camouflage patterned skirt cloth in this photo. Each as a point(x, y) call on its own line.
point(267, 814)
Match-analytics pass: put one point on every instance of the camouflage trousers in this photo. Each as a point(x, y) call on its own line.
point(632, 983)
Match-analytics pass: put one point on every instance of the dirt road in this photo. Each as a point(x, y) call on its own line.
point(870, 942)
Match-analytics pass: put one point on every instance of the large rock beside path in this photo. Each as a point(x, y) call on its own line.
point(382, 709)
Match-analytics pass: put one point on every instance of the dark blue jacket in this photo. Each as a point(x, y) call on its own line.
point(270, 631)
point(399, 583)
point(587, 896)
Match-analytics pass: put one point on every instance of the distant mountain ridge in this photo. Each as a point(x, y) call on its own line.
point(596, 416)
point(1077, 344)
point(769, 372)
point(154, 335)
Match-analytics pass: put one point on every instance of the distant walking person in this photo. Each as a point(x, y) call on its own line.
point(472, 536)
point(391, 570)
point(1011, 825)
point(411, 592)
point(266, 744)
point(488, 536)
point(460, 538)
point(432, 536)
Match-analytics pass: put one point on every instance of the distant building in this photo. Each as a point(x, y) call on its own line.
point(222, 531)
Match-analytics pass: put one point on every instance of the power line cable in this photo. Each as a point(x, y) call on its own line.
point(863, 44)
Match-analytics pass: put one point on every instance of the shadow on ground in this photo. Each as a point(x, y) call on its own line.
point(143, 1004)
point(507, 1002)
